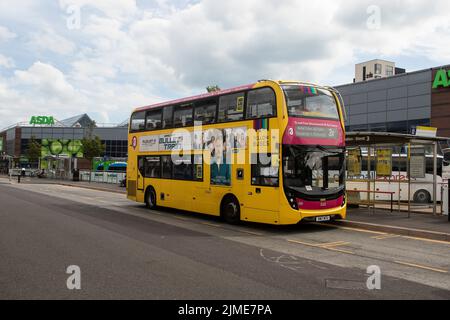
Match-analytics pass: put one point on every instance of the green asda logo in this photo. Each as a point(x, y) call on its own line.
point(42, 120)
point(442, 79)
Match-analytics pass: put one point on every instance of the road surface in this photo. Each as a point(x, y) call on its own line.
point(125, 251)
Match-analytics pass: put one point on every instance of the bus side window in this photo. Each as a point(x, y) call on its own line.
point(167, 121)
point(265, 174)
point(138, 121)
point(166, 167)
point(261, 103)
point(231, 107)
point(153, 120)
point(182, 116)
point(152, 167)
point(205, 112)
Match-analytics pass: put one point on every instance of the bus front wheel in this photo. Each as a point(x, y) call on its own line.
point(230, 210)
point(422, 196)
point(150, 198)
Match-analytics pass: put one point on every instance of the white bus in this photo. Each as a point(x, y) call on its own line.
point(421, 190)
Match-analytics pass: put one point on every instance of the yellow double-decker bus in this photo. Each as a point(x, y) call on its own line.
point(271, 152)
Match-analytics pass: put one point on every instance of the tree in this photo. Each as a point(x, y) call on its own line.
point(92, 148)
point(213, 88)
point(33, 152)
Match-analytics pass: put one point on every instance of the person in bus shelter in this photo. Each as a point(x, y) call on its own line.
point(220, 169)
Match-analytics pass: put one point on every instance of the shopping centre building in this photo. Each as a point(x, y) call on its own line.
point(386, 102)
point(60, 138)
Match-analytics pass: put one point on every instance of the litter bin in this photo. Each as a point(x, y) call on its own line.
point(76, 175)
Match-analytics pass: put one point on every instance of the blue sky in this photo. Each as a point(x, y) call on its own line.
point(105, 57)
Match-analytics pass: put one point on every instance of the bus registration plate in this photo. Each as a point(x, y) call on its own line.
point(323, 219)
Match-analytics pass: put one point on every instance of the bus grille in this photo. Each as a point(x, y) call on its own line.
point(131, 188)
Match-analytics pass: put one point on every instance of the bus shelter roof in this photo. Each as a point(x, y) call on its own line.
point(388, 138)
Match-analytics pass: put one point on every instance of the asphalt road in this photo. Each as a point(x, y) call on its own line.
point(125, 251)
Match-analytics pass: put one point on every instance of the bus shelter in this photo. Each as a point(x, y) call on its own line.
point(384, 169)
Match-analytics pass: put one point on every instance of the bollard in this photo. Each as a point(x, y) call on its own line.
point(448, 205)
point(18, 178)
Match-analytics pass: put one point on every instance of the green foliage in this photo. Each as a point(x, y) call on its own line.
point(213, 88)
point(92, 148)
point(34, 150)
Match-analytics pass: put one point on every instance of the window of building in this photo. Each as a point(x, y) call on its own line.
point(265, 172)
point(378, 68)
point(389, 71)
point(261, 103)
point(167, 120)
point(152, 167)
point(182, 116)
point(205, 112)
point(231, 107)
point(153, 121)
point(138, 121)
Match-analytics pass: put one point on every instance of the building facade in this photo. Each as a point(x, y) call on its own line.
point(399, 103)
point(64, 137)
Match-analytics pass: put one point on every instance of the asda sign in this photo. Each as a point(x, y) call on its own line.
point(42, 120)
point(442, 79)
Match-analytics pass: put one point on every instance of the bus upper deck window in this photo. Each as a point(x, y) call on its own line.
point(138, 121)
point(182, 116)
point(167, 117)
point(261, 103)
point(231, 107)
point(153, 120)
point(205, 112)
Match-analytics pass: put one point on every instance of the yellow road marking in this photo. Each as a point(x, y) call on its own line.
point(349, 228)
point(180, 218)
point(337, 244)
point(323, 246)
point(427, 240)
point(387, 236)
point(421, 266)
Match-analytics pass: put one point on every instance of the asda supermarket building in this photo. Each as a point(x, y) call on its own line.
point(59, 139)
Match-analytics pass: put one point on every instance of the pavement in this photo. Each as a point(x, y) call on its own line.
point(81, 184)
point(125, 251)
point(424, 225)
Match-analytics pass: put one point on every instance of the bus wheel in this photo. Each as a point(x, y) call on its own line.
point(150, 198)
point(230, 210)
point(422, 196)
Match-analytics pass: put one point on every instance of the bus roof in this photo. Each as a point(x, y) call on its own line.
point(225, 91)
point(200, 96)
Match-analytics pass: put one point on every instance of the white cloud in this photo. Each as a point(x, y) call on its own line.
point(45, 80)
point(48, 39)
point(6, 34)
point(6, 62)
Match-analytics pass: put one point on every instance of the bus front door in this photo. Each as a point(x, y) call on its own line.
point(140, 179)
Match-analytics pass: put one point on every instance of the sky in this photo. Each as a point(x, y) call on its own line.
point(66, 57)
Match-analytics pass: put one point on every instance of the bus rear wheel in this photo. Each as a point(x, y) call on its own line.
point(230, 210)
point(150, 198)
point(422, 196)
